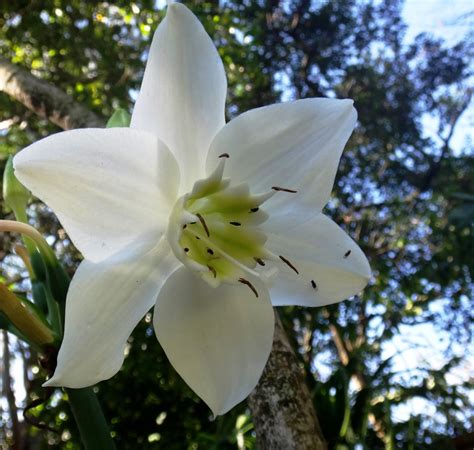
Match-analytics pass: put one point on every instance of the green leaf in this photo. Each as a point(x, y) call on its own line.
point(15, 195)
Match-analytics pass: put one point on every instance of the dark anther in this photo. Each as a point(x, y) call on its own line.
point(186, 249)
point(224, 155)
point(347, 253)
point(192, 223)
point(259, 261)
point(249, 284)
point(213, 271)
point(288, 263)
point(184, 226)
point(210, 251)
point(277, 188)
point(236, 224)
point(201, 219)
point(197, 237)
point(254, 209)
point(313, 284)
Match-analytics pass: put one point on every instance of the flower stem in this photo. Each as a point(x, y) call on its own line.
point(30, 232)
point(90, 419)
point(24, 319)
point(20, 215)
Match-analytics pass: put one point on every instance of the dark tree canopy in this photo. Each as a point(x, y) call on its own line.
point(406, 197)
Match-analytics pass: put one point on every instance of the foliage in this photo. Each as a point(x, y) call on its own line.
point(407, 197)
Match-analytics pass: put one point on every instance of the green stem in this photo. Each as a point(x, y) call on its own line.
point(20, 215)
point(90, 419)
point(34, 237)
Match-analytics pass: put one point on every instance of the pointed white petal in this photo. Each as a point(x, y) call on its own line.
point(291, 145)
point(182, 97)
point(218, 339)
point(107, 186)
point(105, 302)
point(331, 266)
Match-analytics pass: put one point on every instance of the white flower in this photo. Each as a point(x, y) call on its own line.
point(210, 222)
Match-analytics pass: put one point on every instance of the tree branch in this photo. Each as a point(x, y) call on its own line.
point(435, 166)
point(45, 99)
point(281, 405)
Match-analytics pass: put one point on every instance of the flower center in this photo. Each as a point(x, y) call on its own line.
point(214, 230)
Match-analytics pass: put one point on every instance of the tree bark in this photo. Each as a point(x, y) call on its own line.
point(45, 99)
point(282, 408)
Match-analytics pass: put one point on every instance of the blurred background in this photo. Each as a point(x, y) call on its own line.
point(390, 369)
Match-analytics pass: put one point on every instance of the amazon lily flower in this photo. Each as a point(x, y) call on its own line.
point(212, 223)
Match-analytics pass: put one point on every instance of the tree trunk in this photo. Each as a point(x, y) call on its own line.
point(281, 405)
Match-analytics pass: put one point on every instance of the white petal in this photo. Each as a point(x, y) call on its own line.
point(291, 145)
point(218, 339)
point(182, 98)
point(105, 302)
point(107, 186)
point(323, 254)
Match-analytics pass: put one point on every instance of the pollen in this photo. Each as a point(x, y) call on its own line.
point(289, 264)
point(280, 189)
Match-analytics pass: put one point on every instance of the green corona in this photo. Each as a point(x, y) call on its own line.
point(215, 230)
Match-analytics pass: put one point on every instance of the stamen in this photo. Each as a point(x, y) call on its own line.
point(224, 155)
point(288, 263)
point(197, 237)
point(210, 251)
point(250, 285)
point(313, 284)
point(184, 226)
point(259, 261)
point(186, 249)
point(254, 209)
point(277, 188)
point(347, 253)
point(213, 271)
point(201, 219)
point(236, 224)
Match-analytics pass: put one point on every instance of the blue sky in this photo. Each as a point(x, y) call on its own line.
point(444, 18)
